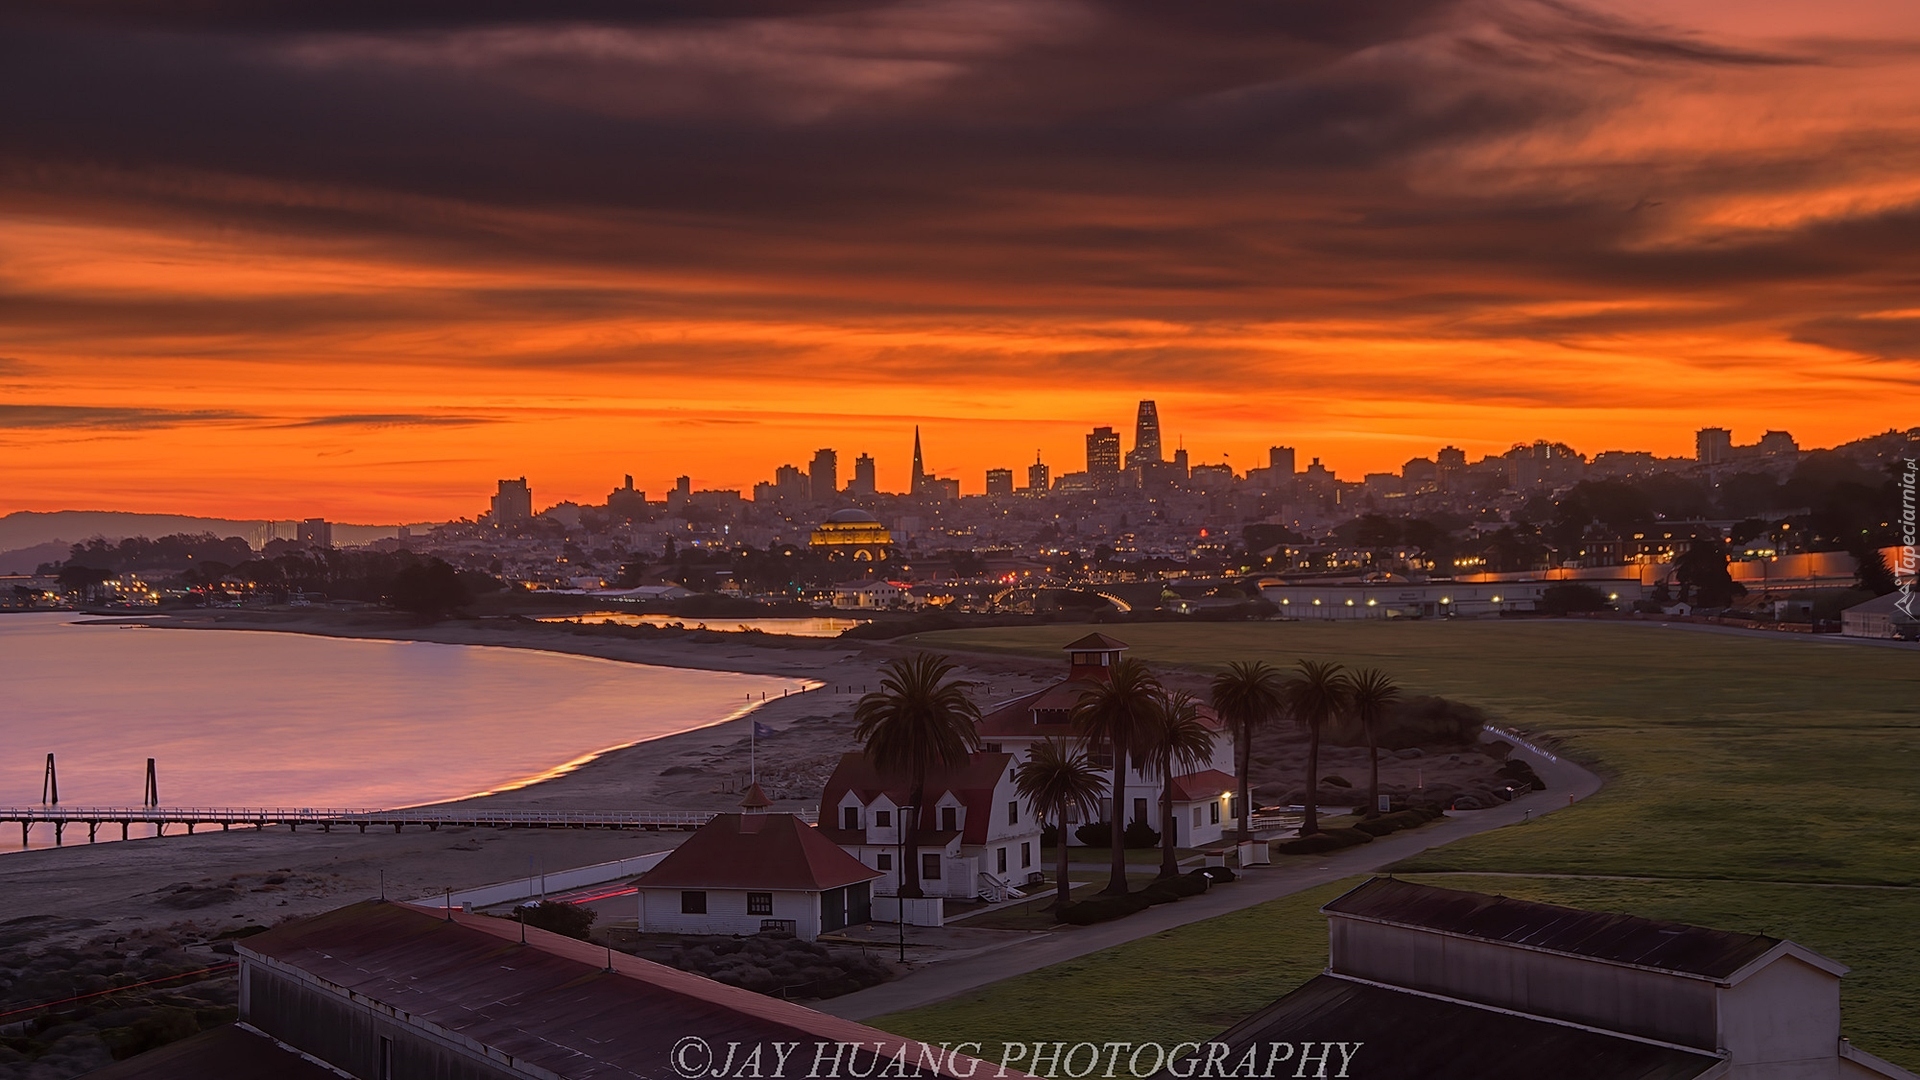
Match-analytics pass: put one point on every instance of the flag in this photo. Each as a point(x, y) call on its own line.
point(761, 731)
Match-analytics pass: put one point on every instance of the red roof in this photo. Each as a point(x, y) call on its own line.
point(973, 784)
point(1202, 785)
point(757, 851)
point(756, 799)
point(1044, 713)
point(1095, 642)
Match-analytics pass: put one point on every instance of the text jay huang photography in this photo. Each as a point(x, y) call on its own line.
point(960, 540)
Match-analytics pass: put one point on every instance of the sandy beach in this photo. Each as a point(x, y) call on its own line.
point(247, 877)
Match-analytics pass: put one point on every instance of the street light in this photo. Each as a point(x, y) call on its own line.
point(900, 880)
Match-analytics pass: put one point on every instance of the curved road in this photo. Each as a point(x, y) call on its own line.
point(1566, 784)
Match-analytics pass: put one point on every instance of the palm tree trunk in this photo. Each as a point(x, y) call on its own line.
point(1117, 879)
point(1373, 774)
point(910, 872)
point(1310, 821)
point(1063, 886)
point(1243, 766)
point(1169, 866)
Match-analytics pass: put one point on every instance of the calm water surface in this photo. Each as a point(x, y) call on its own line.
point(241, 718)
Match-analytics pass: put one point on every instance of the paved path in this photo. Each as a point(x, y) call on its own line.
point(1288, 875)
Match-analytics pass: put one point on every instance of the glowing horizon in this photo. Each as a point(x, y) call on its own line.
point(360, 263)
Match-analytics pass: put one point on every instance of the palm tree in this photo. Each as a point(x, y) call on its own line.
point(1175, 738)
point(1372, 690)
point(1314, 697)
point(1116, 712)
point(1057, 778)
point(915, 723)
point(1248, 695)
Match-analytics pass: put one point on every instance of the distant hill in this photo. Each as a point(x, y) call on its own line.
point(30, 529)
point(25, 560)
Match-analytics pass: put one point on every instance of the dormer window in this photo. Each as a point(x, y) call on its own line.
point(851, 815)
point(883, 819)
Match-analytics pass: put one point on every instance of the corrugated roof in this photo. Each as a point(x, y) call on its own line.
point(550, 1002)
point(756, 851)
point(973, 784)
point(1624, 939)
point(1406, 1036)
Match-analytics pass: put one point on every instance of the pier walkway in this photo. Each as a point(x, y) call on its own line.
point(327, 819)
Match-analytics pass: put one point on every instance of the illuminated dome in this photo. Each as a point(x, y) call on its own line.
point(853, 534)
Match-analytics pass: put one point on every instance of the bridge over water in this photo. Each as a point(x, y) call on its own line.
point(327, 819)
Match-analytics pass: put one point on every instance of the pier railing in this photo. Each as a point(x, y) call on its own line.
point(326, 818)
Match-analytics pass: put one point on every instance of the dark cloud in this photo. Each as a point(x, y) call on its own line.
point(389, 420)
point(1200, 163)
point(85, 417)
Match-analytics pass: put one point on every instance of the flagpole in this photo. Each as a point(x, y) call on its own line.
point(753, 752)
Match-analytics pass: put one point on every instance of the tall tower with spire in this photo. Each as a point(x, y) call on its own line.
point(1146, 437)
point(919, 483)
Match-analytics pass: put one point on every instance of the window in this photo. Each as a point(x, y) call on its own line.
point(991, 748)
point(1013, 812)
point(883, 819)
point(1139, 810)
point(950, 818)
point(852, 816)
point(1001, 857)
point(886, 860)
point(693, 903)
point(1026, 856)
point(930, 866)
point(759, 903)
point(1214, 812)
point(1196, 817)
point(386, 1058)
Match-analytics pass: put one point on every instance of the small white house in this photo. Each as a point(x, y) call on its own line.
point(976, 837)
point(1882, 617)
point(755, 873)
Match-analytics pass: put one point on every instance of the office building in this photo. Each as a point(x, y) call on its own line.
point(1103, 455)
point(863, 482)
point(1146, 438)
point(1280, 459)
point(1713, 446)
point(823, 476)
point(999, 481)
point(513, 503)
point(1039, 477)
point(316, 532)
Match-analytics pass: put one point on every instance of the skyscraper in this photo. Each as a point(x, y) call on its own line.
point(1039, 477)
point(513, 503)
point(863, 483)
point(1103, 455)
point(999, 481)
point(823, 476)
point(1146, 438)
point(1280, 461)
point(1713, 446)
point(919, 483)
point(316, 532)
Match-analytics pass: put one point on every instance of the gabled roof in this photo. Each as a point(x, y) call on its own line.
point(1402, 1035)
point(1202, 785)
point(1050, 706)
point(565, 1006)
point(1095, 642)
point(757, 851)
point(973, 784)
point(1622, 939)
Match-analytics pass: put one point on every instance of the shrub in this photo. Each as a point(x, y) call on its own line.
point(1103, 908)
point(1216, 874)
point(560, 917)
point(1099, 834)
point(1139, 834)
point(1323, 841)
point(1337, 781)
point(1049, 836)
point(1095, 834)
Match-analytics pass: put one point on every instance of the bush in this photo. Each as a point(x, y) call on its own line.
point(1103, 908)
point(1049, 836)
point(1215, 874)
point(560, 917)
point(1337, 781)
point(1099, 834)
point(1323, 841)
point(781, 966)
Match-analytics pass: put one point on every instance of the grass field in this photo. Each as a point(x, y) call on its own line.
point(1750, 776)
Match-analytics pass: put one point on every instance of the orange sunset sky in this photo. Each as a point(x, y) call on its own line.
point(361, 259)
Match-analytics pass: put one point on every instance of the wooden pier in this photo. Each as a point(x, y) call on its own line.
point(327, 819)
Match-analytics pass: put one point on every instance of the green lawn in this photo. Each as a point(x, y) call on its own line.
point(1733, 763)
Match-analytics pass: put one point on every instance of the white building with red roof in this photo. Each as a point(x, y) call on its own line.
point(749, 873)
point(1202, 799)
point(976, 836)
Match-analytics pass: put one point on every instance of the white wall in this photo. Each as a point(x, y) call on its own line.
point(1782, 1023)
point(925, 911)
